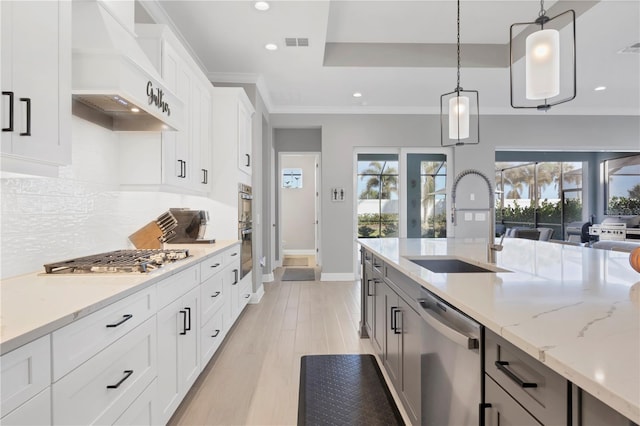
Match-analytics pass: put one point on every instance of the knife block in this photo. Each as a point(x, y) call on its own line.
point(147, 237)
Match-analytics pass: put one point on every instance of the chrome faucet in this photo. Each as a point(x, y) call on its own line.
point(492, 247)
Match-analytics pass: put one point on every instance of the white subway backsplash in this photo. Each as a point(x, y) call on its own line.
point(83, 211)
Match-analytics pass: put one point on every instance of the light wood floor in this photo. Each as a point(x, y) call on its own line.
point(254, 377)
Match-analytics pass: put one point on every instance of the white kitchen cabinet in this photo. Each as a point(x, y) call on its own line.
point(231, 283)
point(35, 412)
point(211, 336)
point(25, 372)
point(179, 160)
point(178, 355)
point(245, 112)
point(142, 411)
point(36, 86)
point(101, 389)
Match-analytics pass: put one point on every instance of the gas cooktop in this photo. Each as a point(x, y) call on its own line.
point(118, 261)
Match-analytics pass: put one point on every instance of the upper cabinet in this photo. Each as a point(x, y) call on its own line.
point(36, 86)
point(182, 161)
point(245, 112)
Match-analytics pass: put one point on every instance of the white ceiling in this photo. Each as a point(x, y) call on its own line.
point(399, 54)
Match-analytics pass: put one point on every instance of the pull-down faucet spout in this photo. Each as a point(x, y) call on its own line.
point(492, 247)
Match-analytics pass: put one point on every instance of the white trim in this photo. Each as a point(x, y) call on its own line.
point(267, 278)
point(257, 296)
point(345, 276)
point(307, 252)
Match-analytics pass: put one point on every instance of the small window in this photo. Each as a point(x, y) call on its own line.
point(622, 188)
point(292, 178)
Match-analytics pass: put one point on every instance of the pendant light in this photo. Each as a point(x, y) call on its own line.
point(544, 55)
point(459, 111)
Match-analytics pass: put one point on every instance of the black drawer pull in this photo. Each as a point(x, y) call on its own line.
point(124, 319)
point(205, 176)
point(184, 323)
point(369, 287)
point(502, 366)
point(397, 330)
point(246, 296)
point(235, 271)
point(215, 334)
point(27, 101)
point(215, 265)
point(127, 373)
point(393, 318)
point(234, 254)
point(10, 128)
point(187, 328)
point(216, 294)
point(248, 160)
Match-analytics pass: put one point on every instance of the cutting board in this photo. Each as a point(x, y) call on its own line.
point(147, 237)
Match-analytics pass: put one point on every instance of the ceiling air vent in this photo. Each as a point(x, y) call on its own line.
point(634, 48)
point(296, 42)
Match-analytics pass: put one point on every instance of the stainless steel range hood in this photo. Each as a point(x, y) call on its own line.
point(113, 82)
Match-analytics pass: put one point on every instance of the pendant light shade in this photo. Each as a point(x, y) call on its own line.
point(459, 115)
point(543, 61)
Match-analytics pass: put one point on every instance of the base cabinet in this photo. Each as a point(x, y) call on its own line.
point(36, 411)
point(178, 355)
point(590, 411)
point(503, 409)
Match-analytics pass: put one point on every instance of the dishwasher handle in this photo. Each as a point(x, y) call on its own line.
point(431, 318)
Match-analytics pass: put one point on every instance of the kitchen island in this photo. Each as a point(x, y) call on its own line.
point(576, 310)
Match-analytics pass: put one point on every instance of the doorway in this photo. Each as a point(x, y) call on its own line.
point(298, 188)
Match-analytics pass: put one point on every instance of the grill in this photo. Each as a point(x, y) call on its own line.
point(118, 261)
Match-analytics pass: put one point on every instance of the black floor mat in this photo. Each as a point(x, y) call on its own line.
point(344, 390)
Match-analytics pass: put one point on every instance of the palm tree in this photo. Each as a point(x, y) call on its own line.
point(376, 173)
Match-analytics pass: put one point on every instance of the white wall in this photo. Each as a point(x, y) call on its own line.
point(81, 212)
point(341, 134)
point(298, 206)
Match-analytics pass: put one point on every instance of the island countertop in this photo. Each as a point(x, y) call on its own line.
point(575, 309)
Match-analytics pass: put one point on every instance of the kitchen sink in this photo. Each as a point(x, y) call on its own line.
point(450, 266)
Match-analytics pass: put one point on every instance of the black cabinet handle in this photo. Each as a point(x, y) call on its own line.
point(246, 296)
point(393, 318)
point(127, 373)
point(184, 322)
point(27, 101)
point(235, 271)
point(216, 294)
point(215, 265)
point(187, 328)
point(10, 128)
point(502, 366)
point(397, 330)
point(234, 254)
point(215, 334)
point(124, 319)
point(248, 160)
point(369, 287)
point(205, 176)
point(183, 169)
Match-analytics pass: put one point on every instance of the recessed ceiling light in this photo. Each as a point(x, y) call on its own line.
point(271, 46)
point(135, 110)
point(261, 6)
point(600, 88)
point(357, 95)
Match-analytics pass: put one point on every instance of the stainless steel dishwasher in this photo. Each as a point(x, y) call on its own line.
point(451, 364)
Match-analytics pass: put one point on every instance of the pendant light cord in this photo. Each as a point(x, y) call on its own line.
point(542, 11)
point(458, 23)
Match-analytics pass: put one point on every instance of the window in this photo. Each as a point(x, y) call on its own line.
point(426, 196)
point(292, 178)
point(377, 195)
point(622, 185)
point(539, 194)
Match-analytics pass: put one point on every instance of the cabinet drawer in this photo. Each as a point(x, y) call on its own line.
point(211, 266)
point(176, 285)
point(232, 255)
point(402, 282)
point(377, 263)
point(26, 371)
point(540, 390)
point(102, 388)
point(36, 411)
point(142, 410)
point(245, 293)
point(212, 297)
point(504, 410)
point(82, 339)
point(213, 333)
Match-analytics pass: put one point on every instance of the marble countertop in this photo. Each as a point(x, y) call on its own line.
point(575, 309)
point(33, 305)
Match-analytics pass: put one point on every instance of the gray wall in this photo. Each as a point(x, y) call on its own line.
point(298, 205)
point(341, 134)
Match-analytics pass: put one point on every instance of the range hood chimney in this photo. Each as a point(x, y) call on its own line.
point(113, 82)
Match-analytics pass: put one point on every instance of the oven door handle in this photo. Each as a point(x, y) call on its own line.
point(246, 231)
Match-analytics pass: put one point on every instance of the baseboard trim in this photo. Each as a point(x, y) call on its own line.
point(257, 296)
point(267, 278)
point(310, 252)
point(345, 276)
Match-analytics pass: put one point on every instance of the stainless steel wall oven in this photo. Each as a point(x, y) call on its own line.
point(245, 228)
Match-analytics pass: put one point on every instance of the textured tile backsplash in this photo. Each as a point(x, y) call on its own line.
point(82, 212)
